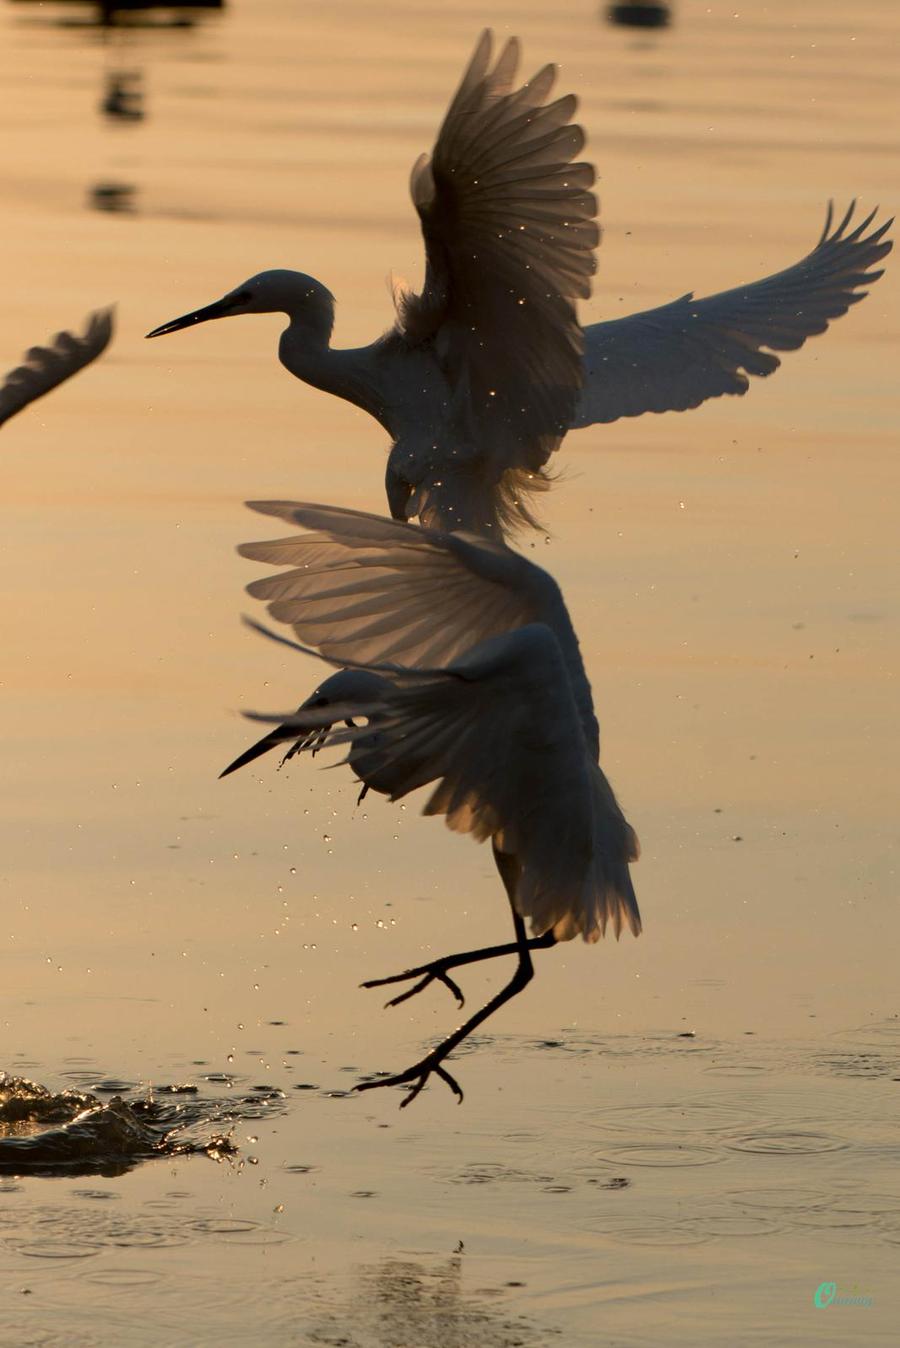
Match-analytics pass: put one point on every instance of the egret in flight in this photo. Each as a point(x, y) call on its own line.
point(485, 370)
point(461, 657)
point(47, 366)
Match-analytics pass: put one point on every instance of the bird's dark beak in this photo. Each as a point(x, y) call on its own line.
point(274, 737)
point(221, 309)
point(280, 735)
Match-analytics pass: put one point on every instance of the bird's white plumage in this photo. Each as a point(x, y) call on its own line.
point(499, 732)
point(47, 366)
point(505, 729)
point(367, 589)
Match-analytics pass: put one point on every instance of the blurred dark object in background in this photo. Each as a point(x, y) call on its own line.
point(115, 6)
point(123, 98)
point(106, 13)
point(640, 16)
point(117, 198)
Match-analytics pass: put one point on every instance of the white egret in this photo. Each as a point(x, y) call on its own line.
point(47, 366)
point(487, 369)
point(462, 658)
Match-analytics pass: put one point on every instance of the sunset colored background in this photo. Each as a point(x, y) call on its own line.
point(732, 575)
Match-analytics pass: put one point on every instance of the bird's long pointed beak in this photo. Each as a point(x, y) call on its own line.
point(221, 309)
point(274, 737)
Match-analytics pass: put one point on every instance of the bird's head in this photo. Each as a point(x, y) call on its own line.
point(270, 292)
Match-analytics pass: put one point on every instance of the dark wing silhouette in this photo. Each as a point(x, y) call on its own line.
point(677, 356)
point(47, 366)
point(509, 229)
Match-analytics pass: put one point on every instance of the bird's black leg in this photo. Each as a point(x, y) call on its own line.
point(419, 1073)
point(436, 970)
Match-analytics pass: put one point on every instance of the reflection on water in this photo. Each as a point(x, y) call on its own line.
point(115, 197)
point(123, 13)
point(696, 1171)
point(429, 1305)
point(633, 15)
point(123, 97)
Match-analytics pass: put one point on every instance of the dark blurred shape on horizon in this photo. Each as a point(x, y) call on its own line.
point(640, 15)
point(109, 13)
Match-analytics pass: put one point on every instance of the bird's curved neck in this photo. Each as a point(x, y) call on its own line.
point(305, 349)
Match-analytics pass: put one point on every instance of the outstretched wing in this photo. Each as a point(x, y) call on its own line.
point(47, 366)
point(677, 356)
point(368, 590)
point(498, 731)
point(509, 229)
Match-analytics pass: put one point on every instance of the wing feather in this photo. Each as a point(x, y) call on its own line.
point(366, 589)
point(47, 366)
point(498, 733)
point(679, 355)
point(509, 234)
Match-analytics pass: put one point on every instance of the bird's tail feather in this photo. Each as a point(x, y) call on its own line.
point(583, 893)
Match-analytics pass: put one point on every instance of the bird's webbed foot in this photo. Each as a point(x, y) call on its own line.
point(418, 1074)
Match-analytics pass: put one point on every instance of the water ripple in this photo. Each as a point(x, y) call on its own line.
point(786, 1142)
point(686, 1116)
point(668, 1154)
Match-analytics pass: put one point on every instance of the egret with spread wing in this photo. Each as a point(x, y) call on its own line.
point(47, 366)
point(486, 370)
point(461, 657)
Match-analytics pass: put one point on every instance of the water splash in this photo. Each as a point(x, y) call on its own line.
point(73, 1132)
